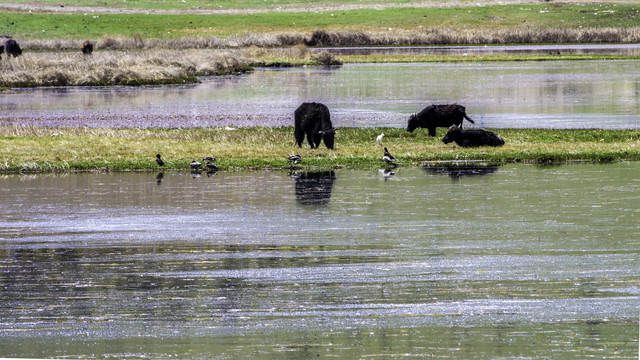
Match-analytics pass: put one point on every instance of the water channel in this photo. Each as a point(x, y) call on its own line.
point(447, 261)
point(554, 94)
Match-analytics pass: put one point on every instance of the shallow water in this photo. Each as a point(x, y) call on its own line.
point(555, 94)
point(584, 49)
point(482, 261)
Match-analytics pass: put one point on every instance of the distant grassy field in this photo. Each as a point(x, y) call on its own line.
point(216, 4)
point(32, 149)
point(26, 25)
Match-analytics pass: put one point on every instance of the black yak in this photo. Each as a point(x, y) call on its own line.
point(471, 138)
point(87, 47)
point(12, 48)
point(438, 116)
point(314, 121)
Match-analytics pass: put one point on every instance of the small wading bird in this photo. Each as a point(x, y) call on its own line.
point(379, 138)
point(195, 165)
point(388, 158)
point(159, 160)
point(295, 158)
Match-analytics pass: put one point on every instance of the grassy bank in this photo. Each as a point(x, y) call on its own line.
point(58, 149)
point(535, 23)
point(145, 67)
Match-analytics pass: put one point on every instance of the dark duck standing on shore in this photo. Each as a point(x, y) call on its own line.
point(211, 166)
point(159, 160)
point(388, 158)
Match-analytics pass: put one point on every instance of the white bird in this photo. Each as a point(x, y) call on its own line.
point(379, 138)
point(388, 158)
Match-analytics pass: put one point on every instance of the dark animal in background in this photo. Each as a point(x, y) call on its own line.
point(438, 116)
point(87, 47)
point(12, 48)
point(314, 121)
point(473, 137)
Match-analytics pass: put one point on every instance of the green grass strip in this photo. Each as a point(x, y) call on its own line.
point(161, 26)
point(31, 149)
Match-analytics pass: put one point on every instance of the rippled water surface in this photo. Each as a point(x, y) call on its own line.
point(553, 94)
point(464, 261)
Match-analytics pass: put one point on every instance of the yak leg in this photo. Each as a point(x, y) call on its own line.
point(299, 135)
point(310, 138)
point(432, 131)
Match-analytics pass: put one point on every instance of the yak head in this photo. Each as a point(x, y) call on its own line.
point(328, 136)
point(413, 123)
point(452, 134)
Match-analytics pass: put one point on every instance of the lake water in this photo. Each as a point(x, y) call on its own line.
point(553, 94)
point(459, 261)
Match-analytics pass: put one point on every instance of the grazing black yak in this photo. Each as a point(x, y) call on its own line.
point(12, 48)
point(314, 121)
point(438, 116)
point(471, 138)
point(87, 47)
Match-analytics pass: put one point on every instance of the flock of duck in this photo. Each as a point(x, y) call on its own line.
point(195, 165)
point(295, 159)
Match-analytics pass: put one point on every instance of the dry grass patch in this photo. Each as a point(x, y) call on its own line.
point(116, 68)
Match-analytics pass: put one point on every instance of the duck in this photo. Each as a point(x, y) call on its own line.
point(195, 165)
point(211, 166)
point(159, 160)
point(209, 158)
point(295, 158)
point(388, 158)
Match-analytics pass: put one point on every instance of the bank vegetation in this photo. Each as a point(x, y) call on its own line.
point(42, 149)
point(144, 67)
point(327, 38)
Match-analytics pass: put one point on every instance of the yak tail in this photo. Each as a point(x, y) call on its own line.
point(468, 118)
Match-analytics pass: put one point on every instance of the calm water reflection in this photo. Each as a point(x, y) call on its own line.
point(555, 94)
point(465, 262)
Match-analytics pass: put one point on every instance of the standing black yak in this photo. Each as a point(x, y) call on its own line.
point(314, 121)
point(471, 138)
point(438, 116)
point(12, 48)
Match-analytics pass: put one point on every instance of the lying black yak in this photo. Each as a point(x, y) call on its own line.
point(87, 47)
point(471, 138)
point(314, 121)
point(12, 48)
point(438, 116)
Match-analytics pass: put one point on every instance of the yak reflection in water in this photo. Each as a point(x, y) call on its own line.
point(314, 187)
point(459, 170)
